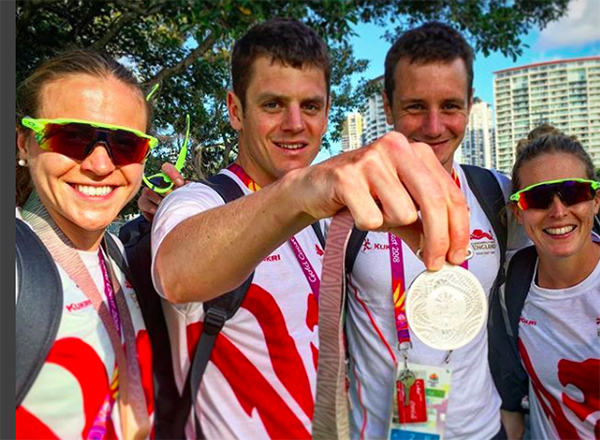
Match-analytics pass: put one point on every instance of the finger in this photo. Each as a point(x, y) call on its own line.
point(147, 203)
point(456, 213)
point(175, 176)
point(411, 234)
point(355, 194)
point(373, 193)
point(424, 189)
point(396, 204)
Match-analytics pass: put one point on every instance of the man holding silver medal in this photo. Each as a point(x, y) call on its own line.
point(393, 368)
point(428, 100)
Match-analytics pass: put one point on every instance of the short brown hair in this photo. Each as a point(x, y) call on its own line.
point(429, 43)
point(285, 40)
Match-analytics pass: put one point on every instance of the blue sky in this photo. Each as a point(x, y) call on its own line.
point(577, 34)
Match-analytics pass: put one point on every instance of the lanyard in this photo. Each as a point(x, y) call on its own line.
point(98, 429)
point(307, 269)
point(399, 286)
point(110, 293)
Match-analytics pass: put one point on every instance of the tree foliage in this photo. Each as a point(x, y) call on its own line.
point(184, 46)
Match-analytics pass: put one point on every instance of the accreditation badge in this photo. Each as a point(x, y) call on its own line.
point(415, 419)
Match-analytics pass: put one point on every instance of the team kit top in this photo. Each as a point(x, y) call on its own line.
point(261, 377)
point(559, 335)
point(474, 404)
point(74, 395)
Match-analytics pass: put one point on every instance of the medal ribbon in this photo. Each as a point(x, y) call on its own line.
point(309, 272)
point(398, 289)
point(330, 420)
point(110, 293)
point(98, 429)
point(135, 423)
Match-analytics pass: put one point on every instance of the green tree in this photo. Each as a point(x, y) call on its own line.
point(184, 45)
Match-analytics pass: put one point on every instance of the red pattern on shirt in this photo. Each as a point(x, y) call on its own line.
point(251, 387)
point(555, 413)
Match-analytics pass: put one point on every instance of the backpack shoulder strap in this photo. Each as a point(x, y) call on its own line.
point(518, 280)
point(354, 243)
point(38, 309)
point(319, 233)
point(488, 193)
point(225, 186)
point(510, 377)
point(218, 310)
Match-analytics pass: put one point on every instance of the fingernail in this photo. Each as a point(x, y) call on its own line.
point(179, 181)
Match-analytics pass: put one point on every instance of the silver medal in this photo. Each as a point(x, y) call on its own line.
point(446, 309)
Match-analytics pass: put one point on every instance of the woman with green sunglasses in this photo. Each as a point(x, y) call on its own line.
point(555, 198)
point(82, 144)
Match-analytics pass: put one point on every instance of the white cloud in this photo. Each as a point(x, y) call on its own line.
point(580, 26)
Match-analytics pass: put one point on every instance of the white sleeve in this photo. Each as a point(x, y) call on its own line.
point(178, 206)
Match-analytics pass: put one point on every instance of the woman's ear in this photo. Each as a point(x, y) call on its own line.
point(517, 212)
point(22, 141)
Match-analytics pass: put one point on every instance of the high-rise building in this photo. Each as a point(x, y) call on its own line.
point(374, 118)
point(563, 93)
point(352, 132)
point(477, 147)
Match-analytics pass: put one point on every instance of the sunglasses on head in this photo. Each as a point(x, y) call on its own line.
point(161, 183)
point(77, 139)
point(570, 191)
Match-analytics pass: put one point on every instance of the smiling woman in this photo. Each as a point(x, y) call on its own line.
point(82, 144)
point(556, 197)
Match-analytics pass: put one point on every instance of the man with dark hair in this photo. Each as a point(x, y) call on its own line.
point(428, 97)
point(261, 376)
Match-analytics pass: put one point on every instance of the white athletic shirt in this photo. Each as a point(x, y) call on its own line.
point(74, 381)
point(261, 378)
point(370, 327)
point(559, 342)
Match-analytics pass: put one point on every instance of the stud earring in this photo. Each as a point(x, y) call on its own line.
point(22, 162)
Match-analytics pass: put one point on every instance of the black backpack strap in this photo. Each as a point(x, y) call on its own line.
point(317, 228)
point(354, 243)
point(216, 311)
point(510, 377)
point(488, 193)
point(135, 236)
point(38, 310)
point(519, 276)
point(225, 186)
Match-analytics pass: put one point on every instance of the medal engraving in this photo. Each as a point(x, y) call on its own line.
point(446, 309)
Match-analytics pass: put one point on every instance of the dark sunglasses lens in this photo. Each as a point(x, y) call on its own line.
point(539, 197)
point(128, 147)
point(576, 192)
point(69, 139)
point(570, 192)
point(74, 139)
point(161, 183)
